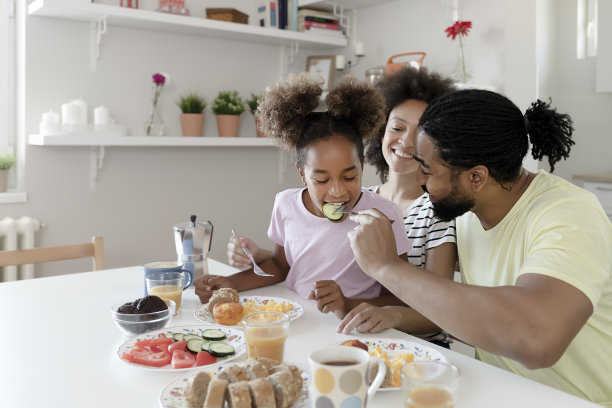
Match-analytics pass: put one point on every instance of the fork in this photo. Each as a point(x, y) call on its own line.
point(256, 268)
point(345, 210)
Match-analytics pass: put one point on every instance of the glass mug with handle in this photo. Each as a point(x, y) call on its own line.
point(166, 266)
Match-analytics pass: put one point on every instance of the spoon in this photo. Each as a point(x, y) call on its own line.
point(256, 268)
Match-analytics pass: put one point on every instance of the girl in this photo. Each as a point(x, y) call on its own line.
point(312, 253)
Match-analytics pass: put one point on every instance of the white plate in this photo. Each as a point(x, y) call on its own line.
point(202, 313)
point(234, 338)
point(172, 396)
point(395, 347)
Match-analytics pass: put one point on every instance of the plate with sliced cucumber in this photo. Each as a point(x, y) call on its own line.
point(191, 347)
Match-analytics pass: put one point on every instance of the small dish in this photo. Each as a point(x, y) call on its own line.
point(135, 324)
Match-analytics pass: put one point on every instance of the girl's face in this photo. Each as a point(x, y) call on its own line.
point(399, 139)
point(332, 172)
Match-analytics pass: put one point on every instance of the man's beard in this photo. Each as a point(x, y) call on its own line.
point(452, 206)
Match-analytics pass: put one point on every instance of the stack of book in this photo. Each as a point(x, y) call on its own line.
point(318, 22)
point(278, 14)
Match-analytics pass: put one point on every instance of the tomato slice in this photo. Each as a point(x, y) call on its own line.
point(182, 359)
point(177, 345)
point(153, 359)
point(204, 358)
point(148, 343)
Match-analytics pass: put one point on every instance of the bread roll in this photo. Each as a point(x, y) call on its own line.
point(262, 393)
point(256, 369)
point(284, 388)
point(355, 343)
point(222, 295)
point(216, 394)
point(233, 373)
point(227, 313)
point(239, 395)
point(196, 389)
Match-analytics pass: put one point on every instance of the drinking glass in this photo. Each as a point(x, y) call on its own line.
point(265, 334)
point(429, 384)
point(166, 285)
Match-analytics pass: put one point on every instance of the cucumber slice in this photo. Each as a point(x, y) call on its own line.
point(213, 334)
point(206, 346)
point(195, 345)
point(188, 337)
point(328, 211)
point(178, 336)
point(221, 349)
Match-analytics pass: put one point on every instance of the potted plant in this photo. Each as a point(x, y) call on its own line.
point(253, 103)
point(228, 106)
point(6, 162)
point(192, 119)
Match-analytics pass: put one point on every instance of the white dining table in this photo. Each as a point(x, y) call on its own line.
point(58, 348)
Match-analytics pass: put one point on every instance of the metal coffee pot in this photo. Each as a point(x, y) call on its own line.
point(193, 240)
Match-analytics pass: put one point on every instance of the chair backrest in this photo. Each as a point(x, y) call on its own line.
point(93, 249)
point(393, 66)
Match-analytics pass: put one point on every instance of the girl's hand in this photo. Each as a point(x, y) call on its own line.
point(236, 256)
point(330, 298)
point(366, 318)
point(206, 285)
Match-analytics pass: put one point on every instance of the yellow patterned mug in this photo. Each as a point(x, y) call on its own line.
point(339, 377)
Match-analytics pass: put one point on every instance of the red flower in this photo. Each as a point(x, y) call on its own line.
point(459, 28)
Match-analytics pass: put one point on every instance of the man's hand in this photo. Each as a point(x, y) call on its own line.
point(372, 241)
point(206, 285)
point(330, 298)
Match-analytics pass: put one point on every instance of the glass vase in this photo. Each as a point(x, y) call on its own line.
point(154, 126)
point(463, 71)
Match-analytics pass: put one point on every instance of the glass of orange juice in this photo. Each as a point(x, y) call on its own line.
point(166, 285)
point(429, 384)
point(265, 334)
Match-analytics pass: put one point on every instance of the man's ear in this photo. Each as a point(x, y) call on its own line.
point(297, 166)
point(479, 175)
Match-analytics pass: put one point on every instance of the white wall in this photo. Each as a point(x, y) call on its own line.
point(142, 192)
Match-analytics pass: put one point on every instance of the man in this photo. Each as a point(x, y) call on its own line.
point(535, 250)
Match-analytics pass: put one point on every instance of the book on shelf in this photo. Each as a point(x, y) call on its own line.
point(321, 19)
point(267, 14)
point(303, 12)
point(324, 31)
point(308, 24)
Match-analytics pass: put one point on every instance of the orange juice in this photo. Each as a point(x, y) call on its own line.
point(429, 397)
point(171, 292)
point(266, 342)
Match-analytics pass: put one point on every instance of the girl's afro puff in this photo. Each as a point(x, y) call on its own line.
point(286, 111)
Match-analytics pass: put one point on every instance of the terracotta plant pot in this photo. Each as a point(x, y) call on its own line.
point(192, 124)
point(3, 180)
point(259, 132)
point(228, 125)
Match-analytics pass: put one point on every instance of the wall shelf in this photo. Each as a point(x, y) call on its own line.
point(152, 20)
point(148, 141)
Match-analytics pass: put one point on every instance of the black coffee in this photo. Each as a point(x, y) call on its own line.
point(341, 363)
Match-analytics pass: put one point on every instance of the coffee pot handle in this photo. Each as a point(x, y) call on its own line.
point(212, 228)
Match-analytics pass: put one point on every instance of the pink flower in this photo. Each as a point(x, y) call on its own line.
point(159, 79)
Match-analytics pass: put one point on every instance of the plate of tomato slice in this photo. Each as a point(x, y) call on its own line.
point(166, 349)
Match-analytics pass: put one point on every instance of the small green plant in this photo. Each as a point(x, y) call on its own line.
point(192, 103)
point(253, 102)
point(6, 161)
point(228, 103)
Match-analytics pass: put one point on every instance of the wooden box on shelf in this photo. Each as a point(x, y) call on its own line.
point(227, 14)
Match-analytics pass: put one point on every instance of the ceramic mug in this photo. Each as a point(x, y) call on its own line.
point(340, 377)
point(166, 266)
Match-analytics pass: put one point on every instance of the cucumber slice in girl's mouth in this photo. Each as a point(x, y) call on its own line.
point(328, 210)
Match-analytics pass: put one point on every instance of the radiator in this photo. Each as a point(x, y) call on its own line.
point(18, 234)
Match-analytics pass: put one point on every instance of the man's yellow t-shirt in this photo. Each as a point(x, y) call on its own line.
point(559, 230)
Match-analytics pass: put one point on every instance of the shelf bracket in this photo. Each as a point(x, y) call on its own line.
point(97, 28)
point(343, 18)
point(287, 56)
point(96, 162)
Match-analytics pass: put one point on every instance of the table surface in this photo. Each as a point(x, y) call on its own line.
point(58, 348)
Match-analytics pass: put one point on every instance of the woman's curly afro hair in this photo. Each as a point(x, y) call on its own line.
point(407, 83)
point(287, 113)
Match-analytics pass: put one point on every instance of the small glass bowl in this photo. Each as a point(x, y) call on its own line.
point(135, 324)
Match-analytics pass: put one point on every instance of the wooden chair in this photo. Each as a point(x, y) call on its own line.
point(93, 249)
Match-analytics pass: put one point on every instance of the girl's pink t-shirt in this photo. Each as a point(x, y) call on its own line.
point(318, 249)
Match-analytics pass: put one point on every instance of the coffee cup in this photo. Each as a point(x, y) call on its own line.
point(166, 266)
point(339, 377)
